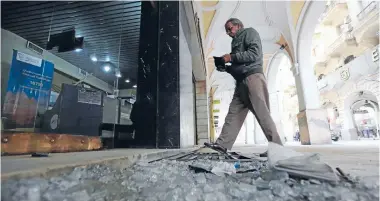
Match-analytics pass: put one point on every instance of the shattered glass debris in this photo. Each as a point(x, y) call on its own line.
point(173, 180)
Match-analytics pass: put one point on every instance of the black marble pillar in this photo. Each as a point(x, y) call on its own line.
point(158, 76)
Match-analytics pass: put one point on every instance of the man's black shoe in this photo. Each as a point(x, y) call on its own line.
point(216, 147)
point(265, 154)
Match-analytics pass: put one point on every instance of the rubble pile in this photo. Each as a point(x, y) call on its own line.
point(173, 180)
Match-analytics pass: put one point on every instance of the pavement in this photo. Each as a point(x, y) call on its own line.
point(25, 165)
point(359, 158)
point(171, 180)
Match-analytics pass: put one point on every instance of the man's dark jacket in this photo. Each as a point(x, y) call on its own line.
point(246, 54)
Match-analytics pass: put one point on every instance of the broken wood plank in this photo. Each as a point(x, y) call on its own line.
point(27, 143)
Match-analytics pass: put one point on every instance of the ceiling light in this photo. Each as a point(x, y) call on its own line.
point(107, 68)
point(94, 59)
point(134, 86)
point(78, 50)
point(107, 59)
point(127, 81)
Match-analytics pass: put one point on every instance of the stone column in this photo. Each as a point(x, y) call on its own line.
point(349, 131)
point(202, 110)
point(158, 88)
point(275, 111)
point(312, 119)
point(250, 122)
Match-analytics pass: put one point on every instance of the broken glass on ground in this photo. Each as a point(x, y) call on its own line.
point(172, 180)
point(223, 168)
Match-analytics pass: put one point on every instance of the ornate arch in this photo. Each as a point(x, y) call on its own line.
point(306, 27)
point(271, 59)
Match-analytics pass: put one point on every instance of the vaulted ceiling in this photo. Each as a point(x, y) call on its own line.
point(276, 21)
point(110, 29)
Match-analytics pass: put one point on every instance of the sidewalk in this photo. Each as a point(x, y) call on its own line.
point(358, 158)
point(26, 165)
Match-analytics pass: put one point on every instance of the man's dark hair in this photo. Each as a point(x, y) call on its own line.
point(235, 21)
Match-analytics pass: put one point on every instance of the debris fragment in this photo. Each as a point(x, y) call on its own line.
point(172, 180)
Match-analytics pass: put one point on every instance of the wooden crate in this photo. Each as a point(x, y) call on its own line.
point(26, 143)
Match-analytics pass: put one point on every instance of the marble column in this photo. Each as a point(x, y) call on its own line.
point(168, 76)
point(158, 76)
point(312, 119)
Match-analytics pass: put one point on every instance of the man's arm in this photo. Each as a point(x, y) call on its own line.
point(253, 51)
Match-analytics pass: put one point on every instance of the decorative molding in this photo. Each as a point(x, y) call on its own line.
point(299, 26)
point(268, 18)
point(345, 74)
point(274, 33)
point(277, 36)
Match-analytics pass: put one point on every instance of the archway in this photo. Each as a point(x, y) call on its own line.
point(361, 115)
point(306, 81)
point(282, 95)
point(333, 118)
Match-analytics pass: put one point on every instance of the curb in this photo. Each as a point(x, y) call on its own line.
point(114, 162)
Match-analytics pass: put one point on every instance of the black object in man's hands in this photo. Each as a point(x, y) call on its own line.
point(220, 64)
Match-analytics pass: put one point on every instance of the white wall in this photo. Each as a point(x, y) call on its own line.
point(364, 76)
point(360, 67)
point(11, 41)
point(187, 124)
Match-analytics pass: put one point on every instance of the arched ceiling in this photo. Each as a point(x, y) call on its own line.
point(295, 11)
point(208, 12)
point(269, 18)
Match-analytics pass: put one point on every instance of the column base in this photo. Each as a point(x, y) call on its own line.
point(313, 127)
point(349, 134)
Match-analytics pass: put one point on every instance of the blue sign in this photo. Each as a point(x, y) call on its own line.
point(28, 91)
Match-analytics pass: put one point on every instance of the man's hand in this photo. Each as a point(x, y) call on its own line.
point(227, 58)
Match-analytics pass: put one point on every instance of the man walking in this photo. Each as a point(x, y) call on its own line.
point(251, 91)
